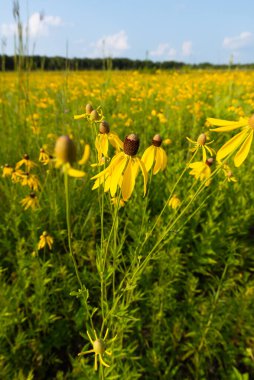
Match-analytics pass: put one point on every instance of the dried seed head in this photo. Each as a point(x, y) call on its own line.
point(104, 127)
point(89, 108)
point(251, 121)
point(65, 149)
point(32, 195)
point(209, 161)
point(131, 144)
point(201, 139)
point(94, 116)
point(157, 140)
point(99, 346)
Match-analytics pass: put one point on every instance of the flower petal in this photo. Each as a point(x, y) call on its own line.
point(231, 145)
point(148, 157)
point(116, 175)
point(158, 162)
point(128, 181)
point(227, 125)
point(244, 150)
point(86, 155)
point(75, 173)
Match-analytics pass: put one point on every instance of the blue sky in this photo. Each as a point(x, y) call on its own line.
point(192, 31)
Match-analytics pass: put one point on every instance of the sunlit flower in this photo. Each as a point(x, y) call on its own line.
point(45, 240)
point(7, 170)
point(31, 180)
point(117, 202)
point(99, 349)
point(202, 170)
point(155, 155)
point(26, 162)
point(66, 155)
point(30, 200)
point(104, 138)
point(240, 142)
point(17, 175)
point(174, 202)
point(123, 170)
point(201, 143)
point(167, 142)
point(44, 157)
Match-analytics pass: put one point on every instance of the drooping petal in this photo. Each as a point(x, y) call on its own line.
point(164, 158)
point(231, 145)
point(227, 125)
point(75, 173)
point(104, 144)
point(86, 155)
point(158, 162)
point(102, 361)
point(244, 150)
point(116, 175)
point(128, 181)
point(111, 166)
point(148, 157)
point(82, 116)
point(144, 172)
point(204, 153)
point(115, 141)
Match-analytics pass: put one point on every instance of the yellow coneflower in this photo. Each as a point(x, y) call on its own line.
point(45, 240)
point(31, 180)
point(201, 143)
point(116, 202)
point(156, 155)
point(99, 349)
point(202, 170)
point(123, 170)
point(26, 162)
point(240, 142)
point(30, 200)
point(66, 155)
point(174, 202)
point(103, 139)
point(44, 157)
point(228, 173)
point(17, 175)
point(7, 170)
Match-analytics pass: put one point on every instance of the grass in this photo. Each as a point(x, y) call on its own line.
point(174, 287)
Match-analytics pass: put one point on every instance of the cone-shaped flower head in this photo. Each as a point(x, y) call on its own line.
point(104, 137)
point(65, 150)
point(131, 145)
point(201, 143)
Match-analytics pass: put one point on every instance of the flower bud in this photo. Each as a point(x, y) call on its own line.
point(89, 108)
point(65, 149)
point(201, 139)
point(157, 140)
point(94, 116)
point(131, 144)
point(104, 127)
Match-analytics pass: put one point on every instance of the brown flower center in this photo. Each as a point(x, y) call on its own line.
point(131, 145)
point(157, 140)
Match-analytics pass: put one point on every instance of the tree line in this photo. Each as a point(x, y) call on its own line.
point(37, 62)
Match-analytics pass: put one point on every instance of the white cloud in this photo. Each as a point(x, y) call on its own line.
point(244, 39)
point(187, 48)
point(38, 25)
point(113, 44)
point(165, 50)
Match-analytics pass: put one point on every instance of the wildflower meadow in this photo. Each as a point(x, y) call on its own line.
point(127, 225)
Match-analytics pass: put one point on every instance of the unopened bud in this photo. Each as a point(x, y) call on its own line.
point(94, 116)
point(99, 346)
point(131, 144)
point(89, 108)
point(65, 149)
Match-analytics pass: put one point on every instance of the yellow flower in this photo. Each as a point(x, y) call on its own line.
point(201, 143)
point(65, 155)
point(45, 240)
point(30, 200)
point(7, 170)
point(44, 157)
point(202, 170)
point(103, 138)
point(91, 114)
point(123, 170)
point(174, 202)
point(17, 175)
point(155, 154)
point(116, 202)
point(242, 140)
point(27, 162)
point(31, 180)
point(99, 349)
point(228, 173)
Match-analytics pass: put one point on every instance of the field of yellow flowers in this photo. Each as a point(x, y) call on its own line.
point(126, 225)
